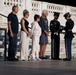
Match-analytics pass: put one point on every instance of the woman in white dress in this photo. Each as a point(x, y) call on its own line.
point(36, 33)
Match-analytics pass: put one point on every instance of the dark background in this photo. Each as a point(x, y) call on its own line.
point(63, 2)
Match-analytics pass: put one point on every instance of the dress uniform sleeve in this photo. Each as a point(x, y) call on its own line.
point(69, 25)
point(59, 30)
point(51, 26)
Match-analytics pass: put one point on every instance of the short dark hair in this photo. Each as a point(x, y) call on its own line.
point(13, 8)
point(36, 16)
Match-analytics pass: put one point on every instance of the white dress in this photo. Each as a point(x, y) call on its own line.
point(35, 33)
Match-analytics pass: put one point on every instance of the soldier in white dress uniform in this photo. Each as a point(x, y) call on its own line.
point(35, 34)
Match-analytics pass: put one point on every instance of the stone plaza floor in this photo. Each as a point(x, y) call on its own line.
point(45, 67)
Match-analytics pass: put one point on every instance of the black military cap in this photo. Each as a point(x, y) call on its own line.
point(56, 13)
point(67, 14)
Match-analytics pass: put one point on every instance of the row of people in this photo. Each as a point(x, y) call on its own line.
point(39, 35)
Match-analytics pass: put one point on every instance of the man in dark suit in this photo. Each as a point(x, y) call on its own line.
point(68, 36)
point(55, 37)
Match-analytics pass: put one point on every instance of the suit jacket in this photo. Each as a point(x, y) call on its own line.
point(55, 28)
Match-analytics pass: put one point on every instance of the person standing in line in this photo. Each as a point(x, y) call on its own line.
point(13, 27)
point(24, 36)
point(68, 36)
point(35, 34)
point(44, 35)
point(55, 37)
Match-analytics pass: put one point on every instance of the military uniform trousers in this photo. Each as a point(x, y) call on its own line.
point(68, 43)
point(55, 46)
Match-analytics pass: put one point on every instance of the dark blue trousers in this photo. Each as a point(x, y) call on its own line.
point(68, 44)
point(12, 46)
point(55, 47)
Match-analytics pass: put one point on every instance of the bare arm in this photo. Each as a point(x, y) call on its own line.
point(9, 27)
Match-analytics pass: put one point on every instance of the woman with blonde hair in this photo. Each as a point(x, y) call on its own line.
point(24, 36)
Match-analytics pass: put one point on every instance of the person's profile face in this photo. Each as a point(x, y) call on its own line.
point(38, 19)
point(46, 14)
point(16, 10)
point(27, 15)
point(67, 18)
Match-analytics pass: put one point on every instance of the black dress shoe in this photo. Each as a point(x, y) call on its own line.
point(52, 59)
point(22, 60)
point(56, 59)
point(44, 57)
point(59, 59)
point(67, 59)
point(13, 59)
point(41, 57)
point(47, 57)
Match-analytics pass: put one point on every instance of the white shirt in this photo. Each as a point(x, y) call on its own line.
point(36, 29)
